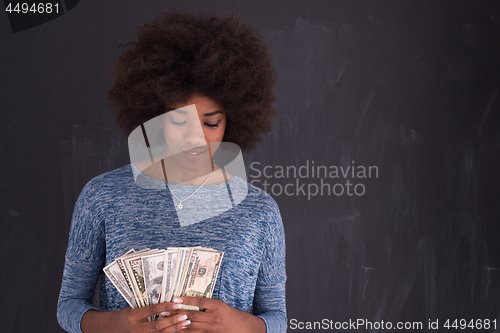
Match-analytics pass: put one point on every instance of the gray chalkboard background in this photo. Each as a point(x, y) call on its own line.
point(410, 88)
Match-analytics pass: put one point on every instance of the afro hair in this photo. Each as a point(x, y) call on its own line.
point(179, 53)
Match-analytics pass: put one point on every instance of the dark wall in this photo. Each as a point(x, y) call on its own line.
point(410, 88)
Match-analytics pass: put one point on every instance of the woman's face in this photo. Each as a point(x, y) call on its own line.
point(193, 133)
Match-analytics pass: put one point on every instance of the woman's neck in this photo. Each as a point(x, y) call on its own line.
point(176, 175)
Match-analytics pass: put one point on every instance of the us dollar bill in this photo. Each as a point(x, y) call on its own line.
point(153, 266)
point(115, 275)
point(169, 266)
point(151, 276)
point(183, 254)
point(201, 274)
point(133, 267)
point(121, 266)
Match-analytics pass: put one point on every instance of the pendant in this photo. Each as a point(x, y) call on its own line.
point(180, 206)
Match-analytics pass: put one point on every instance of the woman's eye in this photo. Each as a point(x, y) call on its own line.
point(213, 125)
point(182, 122)
point(178, 123)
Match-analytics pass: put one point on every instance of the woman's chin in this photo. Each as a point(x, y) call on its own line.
point(202, 164)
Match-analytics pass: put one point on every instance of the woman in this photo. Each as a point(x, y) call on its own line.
point(209, 78)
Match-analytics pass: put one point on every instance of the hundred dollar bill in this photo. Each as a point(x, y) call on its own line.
point(152, 266)
point(153, 276)
point(200, 275)
point(183, 254)
point(168, 274)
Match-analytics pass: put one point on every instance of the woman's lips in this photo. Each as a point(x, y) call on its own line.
point(193, 154)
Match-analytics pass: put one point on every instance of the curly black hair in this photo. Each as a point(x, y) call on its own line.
point(181, 52)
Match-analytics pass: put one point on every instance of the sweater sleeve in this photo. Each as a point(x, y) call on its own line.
point(269, 300)
point(83, 261)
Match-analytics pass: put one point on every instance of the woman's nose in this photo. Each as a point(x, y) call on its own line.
point(194, 135)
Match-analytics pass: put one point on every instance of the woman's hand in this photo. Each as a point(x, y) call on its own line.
point(134, 320)
point(217, 317)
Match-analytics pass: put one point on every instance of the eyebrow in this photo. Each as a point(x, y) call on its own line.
point(212, 113)
point(178, 111)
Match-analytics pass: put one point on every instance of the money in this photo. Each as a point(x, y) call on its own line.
point(152, 266)
point(200, 275)
point(115, 274)
point(152, 276)
point(182, 258)
point(168, 274)
point(133, 268)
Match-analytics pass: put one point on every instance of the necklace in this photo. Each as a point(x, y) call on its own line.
point(162, 169)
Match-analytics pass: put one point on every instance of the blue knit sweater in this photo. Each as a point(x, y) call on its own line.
point(113, 214)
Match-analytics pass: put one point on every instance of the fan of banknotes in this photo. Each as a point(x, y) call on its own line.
point(151, 276)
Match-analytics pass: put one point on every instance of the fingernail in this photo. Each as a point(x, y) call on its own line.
point(177, 300)
point(181, 318)
point(176, 306)
point(165, 313)
point(187, 322)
